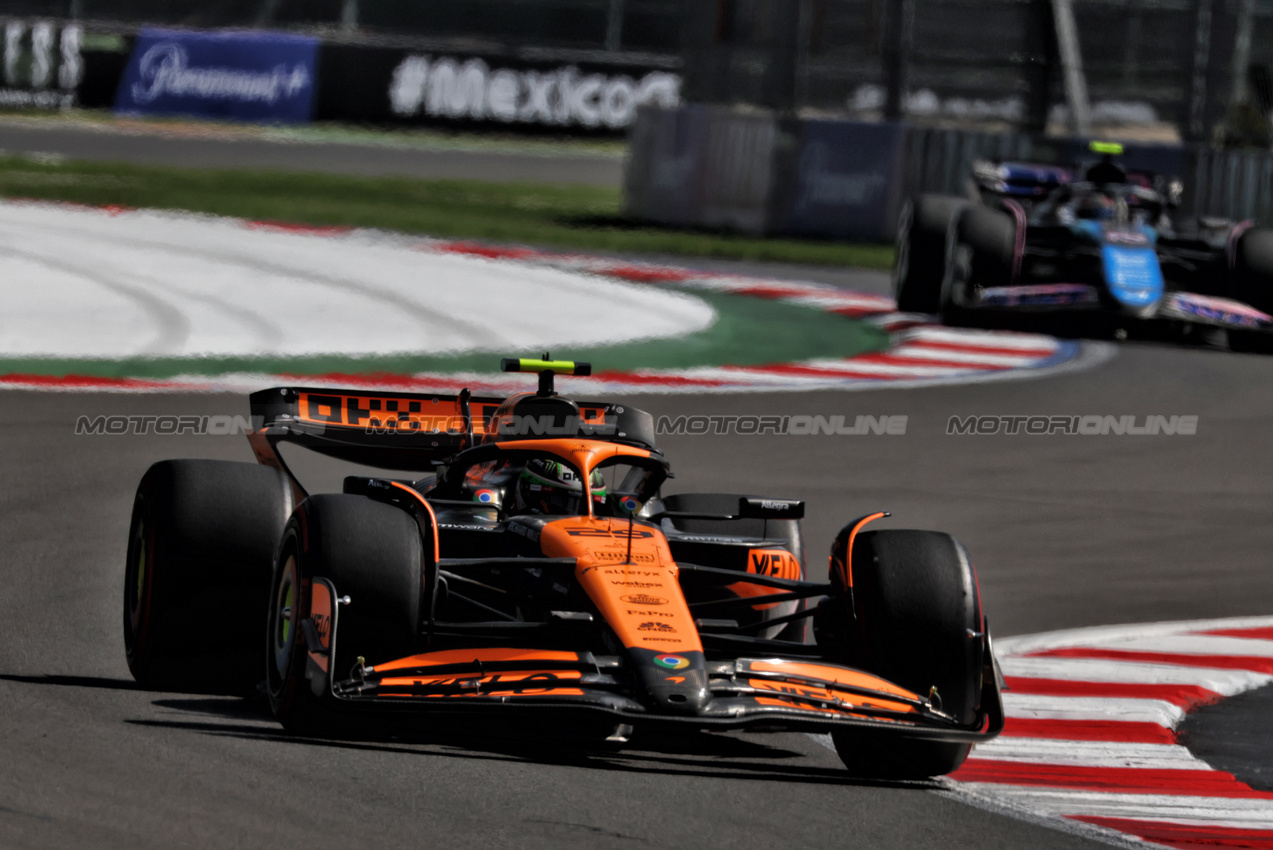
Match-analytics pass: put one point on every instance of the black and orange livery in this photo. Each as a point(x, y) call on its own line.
point(641, 610)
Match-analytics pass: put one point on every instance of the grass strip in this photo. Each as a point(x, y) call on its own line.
point(575, 217)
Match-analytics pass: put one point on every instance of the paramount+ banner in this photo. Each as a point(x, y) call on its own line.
point(244, 76)
point(395, 86)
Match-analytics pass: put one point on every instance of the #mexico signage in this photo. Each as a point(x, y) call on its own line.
point(239, 75)
point(470, 89)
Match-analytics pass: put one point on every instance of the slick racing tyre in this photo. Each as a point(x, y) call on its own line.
point(1253, 269)
point(981, 254)
point(920, 264)
point(784, 529)
point(918, 624)
point(200, 547)
point(1250, 342)
point(371, 553)
point(1253, 284)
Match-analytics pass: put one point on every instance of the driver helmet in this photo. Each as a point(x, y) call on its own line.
point(1106, 172)
point(1095, 206)
point(552, 487)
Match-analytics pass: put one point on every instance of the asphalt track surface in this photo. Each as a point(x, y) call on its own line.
point(241, 151)
point(1222, 735)
point(1066, 531)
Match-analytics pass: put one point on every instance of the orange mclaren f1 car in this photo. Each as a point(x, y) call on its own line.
point(537, 568)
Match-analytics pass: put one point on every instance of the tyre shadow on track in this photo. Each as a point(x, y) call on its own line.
point(99, 682)
point(689, 754)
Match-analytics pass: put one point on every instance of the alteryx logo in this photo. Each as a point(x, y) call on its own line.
point(1133, 275)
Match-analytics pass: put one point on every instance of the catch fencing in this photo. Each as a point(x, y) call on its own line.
point(649, 26)
point(1231, 184)
point(712, 167)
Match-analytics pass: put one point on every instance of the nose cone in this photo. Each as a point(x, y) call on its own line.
point(1133, 277)
point(676, 683)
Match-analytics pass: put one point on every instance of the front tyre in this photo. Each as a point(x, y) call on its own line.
point(1253, 269)
point(1250, 342)
point(1253, 284)
point(370, 552)
point(918, 624)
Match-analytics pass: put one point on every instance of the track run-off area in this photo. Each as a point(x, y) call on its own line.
point(1069, 533)
point(153, 300)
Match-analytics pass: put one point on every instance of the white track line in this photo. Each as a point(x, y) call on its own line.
point(1192, 645)
point(1093, 708)
point(1092, 753)
point(1224, 682)
point(1250, 814)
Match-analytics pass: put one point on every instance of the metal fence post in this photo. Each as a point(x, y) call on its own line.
point(614, 25)
point(1041, 62)
point(899, 28)
point(1067, 39)
point(1196, 107)
point(783, 71)
point(1241, 51)
point(349, 15)
point(269, 8)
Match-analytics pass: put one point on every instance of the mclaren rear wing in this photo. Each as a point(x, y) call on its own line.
point(403, 431)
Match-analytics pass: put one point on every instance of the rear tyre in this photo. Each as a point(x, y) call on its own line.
point(371, 552)
point(920, 264)
point(725, 503)
point(200, 546)
point(918, 622)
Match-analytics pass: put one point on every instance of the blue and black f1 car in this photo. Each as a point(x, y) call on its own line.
point(1091, 251)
